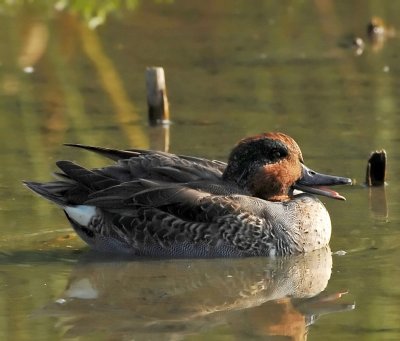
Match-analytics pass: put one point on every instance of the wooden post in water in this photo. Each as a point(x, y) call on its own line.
point(158, 108)
point(375, 179)
point(157, 100)
point(376, 169)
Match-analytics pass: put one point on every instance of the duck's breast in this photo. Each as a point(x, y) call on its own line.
point(309, 220)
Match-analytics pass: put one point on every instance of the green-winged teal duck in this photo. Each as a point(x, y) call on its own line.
point(156, 204)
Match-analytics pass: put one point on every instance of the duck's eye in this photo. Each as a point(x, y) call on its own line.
point(276, 154)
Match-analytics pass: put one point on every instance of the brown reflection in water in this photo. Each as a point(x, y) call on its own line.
point(159, 137)
point(378, 202)
point(50, 95)
point(34, 44)
point(112, 84)
point(173, 299)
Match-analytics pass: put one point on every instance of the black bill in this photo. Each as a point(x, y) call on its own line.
point(313, 182)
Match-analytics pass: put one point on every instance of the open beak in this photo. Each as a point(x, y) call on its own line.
point(312, 181)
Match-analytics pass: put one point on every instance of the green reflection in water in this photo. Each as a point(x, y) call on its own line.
point(94, 13)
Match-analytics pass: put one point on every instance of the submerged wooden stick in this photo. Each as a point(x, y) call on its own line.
point(157, 100)
point(376, 169)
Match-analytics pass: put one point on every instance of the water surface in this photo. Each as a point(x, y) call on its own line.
point(233, 70)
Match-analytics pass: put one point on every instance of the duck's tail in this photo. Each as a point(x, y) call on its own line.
point(51, 191)
point(80, 214)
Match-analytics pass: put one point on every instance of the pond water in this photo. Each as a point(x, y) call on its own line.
point(75, 73)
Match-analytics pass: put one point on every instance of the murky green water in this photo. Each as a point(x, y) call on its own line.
point(233, 69)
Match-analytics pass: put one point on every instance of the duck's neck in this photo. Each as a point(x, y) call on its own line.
point(257, 184)
point(237, 176)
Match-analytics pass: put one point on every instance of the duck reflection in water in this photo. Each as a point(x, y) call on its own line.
point(171, 299)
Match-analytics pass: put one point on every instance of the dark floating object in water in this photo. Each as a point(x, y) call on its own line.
point(376, 27)
point(378, 32)
point(376, 168)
